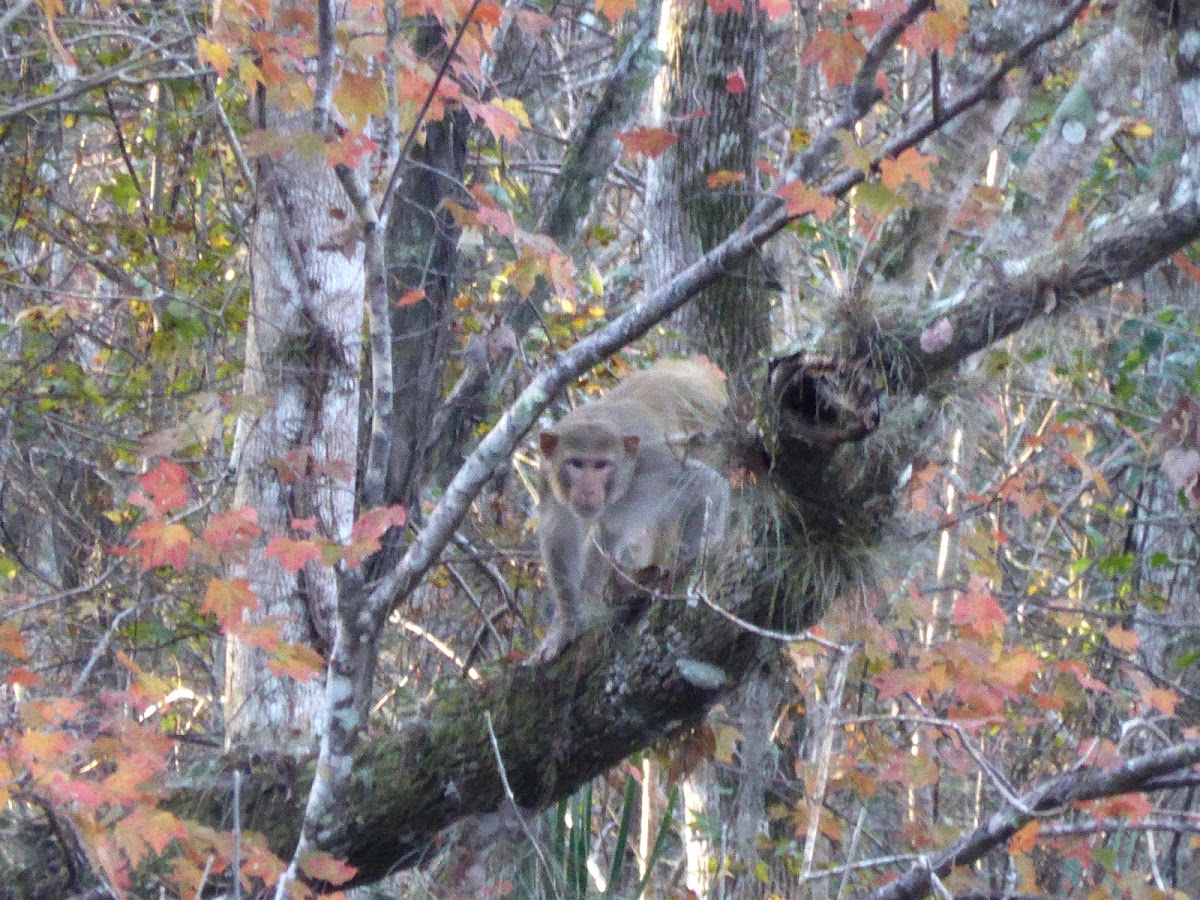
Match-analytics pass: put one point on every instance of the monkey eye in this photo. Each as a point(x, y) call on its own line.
point(578, 462)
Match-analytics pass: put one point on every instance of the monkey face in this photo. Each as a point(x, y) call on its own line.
point(589, 478)
point(587, 481)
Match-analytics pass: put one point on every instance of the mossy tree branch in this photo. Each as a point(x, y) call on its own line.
point(561, 723)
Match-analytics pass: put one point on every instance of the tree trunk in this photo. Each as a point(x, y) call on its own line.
point(297, 453)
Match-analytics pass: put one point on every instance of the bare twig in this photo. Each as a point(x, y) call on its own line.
point(786, 637)
point(102, 647)
point(508, 792)
point(79, 87)
point(389, 193)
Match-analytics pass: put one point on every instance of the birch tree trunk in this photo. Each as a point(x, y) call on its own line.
point(296, 454)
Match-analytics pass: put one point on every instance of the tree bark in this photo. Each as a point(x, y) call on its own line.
point(296, 456)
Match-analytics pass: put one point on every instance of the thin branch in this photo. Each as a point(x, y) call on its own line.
point(102, 647)
point(84, 85)
point(326, 51)
point(786, 637)
point(508, 792)
point(235, 144)
point(389, 193)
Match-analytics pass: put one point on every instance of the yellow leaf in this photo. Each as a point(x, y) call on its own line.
point(852, 154)
point(516, 109)
point(216, 55)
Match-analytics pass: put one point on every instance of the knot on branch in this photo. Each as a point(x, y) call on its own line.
point(822, 402)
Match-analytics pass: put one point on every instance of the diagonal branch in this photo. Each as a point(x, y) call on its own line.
point(1086, 784)
point(767, 218)
point(1021, 292)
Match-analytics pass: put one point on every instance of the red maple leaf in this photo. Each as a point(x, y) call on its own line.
point(293, 554)
point(839, 54)
point(163, 544)
point(801, 200)
point(651, 142)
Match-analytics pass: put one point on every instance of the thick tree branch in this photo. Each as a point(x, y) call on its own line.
point(1088, 784)
point(767, 219)
point(560, 724)
point(1017, 293)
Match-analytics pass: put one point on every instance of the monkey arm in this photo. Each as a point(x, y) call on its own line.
point(562, 539)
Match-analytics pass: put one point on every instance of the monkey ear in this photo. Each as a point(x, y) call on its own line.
point(549, 442)
point(631, 442)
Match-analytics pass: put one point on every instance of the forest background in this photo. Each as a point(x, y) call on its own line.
point(284, 288)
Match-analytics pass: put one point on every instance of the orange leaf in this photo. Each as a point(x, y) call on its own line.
point(775, 9)
point(350, 150)
point(736, 82)
point(411, 298)
point(1186, 266)
point(489, 13)
point(157, 827)
point(164, 488)
point(1015, 668)
point(1122, 639)
point(802, 200)
point(978, 612)
point(938, 30)
point(232, 531)
point(614, 10)
point(1128, 806)
point(293, 554)
point(44, 746)
point(898, 682)
point(724, 6)
point(228, 600)
point(370, 527)
point(1083, 676)
point(500, 119)
point(839, 54)
point(1025, 838)
point(327, 868)
point(22, 677)
point(871, 20)
point(911, 165)
point(298, 661)
point(162, 544)
point(651, 142)
point(11, 641)
point(1162, 699)
point(724, 178)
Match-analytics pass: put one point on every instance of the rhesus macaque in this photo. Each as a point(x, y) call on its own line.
point(622, 491)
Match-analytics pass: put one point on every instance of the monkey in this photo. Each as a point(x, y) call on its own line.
point(623, 493)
